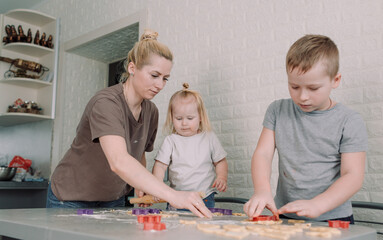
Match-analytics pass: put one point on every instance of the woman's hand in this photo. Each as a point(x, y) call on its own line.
point(191, 201)
point(258, 202)
point(139, 194)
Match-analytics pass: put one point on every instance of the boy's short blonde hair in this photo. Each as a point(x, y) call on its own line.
point(204, 124)
point(310, 49)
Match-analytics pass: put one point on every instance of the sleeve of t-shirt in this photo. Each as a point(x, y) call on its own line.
point(354, 138)
point(105, 118)
point(217, 151)
point(270, 116)
point(153, 130)
point(165, 152)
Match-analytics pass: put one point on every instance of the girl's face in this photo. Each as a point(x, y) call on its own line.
point(151, 78)
point(311, 90)
point(185, 117)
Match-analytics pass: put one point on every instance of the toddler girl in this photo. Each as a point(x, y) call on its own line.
point(193, 153)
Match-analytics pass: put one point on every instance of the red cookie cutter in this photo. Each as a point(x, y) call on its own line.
point(338, 224)
point(266, 218)
point(154, 226)
point(148, 218)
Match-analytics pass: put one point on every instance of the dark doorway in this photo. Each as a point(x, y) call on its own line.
point(115, 71)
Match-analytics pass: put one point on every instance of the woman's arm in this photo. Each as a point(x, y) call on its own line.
point(143, 160)
point(137, 191)
point(132, 172)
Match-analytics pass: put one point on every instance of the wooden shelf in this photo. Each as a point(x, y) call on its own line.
point(11, 119)
point(28, 49)
point(26, 82)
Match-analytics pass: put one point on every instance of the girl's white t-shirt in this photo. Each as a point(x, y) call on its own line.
point(190, 161)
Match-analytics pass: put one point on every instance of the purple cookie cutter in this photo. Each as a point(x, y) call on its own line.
point(84, 211)
point(227, 212)
point(145, 211)
point(220, 210)
point(154, 210)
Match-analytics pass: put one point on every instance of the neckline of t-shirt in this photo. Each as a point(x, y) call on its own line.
point(317, 112)
point(194, 136)
point(130, 114)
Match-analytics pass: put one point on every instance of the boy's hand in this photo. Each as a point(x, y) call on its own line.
point(139, 194)
point(220, 184)
point(191, 201)
point(258, 202)
point(305, 208)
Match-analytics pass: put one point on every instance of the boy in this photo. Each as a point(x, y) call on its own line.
point(321, 144)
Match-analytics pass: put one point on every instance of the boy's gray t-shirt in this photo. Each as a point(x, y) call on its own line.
point(309, 146)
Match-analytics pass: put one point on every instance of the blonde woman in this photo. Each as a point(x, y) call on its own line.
point(192, 152)
point(119, 124)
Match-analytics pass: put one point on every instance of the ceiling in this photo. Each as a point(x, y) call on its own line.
point(6, 5)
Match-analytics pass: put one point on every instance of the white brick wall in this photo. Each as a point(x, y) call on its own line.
point(80, 77)
point(233, 53)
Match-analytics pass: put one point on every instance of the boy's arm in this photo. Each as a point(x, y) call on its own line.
point(221, 171)
point(350, 181)
point(261, 172)
point(159, 170)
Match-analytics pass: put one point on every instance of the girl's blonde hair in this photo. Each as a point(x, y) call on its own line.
point(143, 49)
point(204, 124)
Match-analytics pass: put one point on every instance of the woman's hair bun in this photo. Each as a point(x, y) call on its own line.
point(149, 34)
point(185, 86)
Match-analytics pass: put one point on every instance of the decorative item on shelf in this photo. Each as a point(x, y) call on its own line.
point(50, 41)
point(13, 36)
point(42, 40)
point(22, 66)
point(29, 36)
point(37, 38)
point(8, 38)
point(18, 102)
point(21, 37)
point(48, 77)
point(25, 107)
point(19, 73)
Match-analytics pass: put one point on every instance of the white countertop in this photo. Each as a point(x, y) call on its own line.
point(63, 224)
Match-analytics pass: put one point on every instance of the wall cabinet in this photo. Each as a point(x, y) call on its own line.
point(41, 90)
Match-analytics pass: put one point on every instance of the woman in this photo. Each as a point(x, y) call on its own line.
point(118, 125)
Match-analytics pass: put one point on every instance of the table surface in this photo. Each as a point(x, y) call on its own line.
point(60, 224)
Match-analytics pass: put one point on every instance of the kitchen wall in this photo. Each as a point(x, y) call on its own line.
point(233, 52)
point(31, 141)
